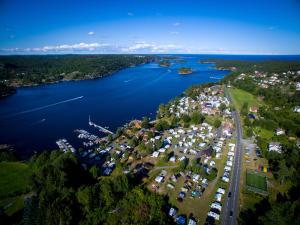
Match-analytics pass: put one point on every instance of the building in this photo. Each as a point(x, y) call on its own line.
point(253, 109)
point(275, 146)
point(280, 131)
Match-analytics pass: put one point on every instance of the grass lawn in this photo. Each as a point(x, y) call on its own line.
point(257, 181)
point(14, 179)
point(240, 97)
point(264, 132)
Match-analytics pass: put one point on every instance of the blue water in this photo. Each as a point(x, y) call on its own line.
point(35, 117)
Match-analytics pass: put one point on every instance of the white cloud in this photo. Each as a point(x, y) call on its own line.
point(62, 48)
point(176, 24)
point(130, 14)
point(174, 32)
point(152, 47)
point(91, 33)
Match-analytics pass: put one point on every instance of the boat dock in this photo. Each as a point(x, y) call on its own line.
point(65, 146)
point(102, 129)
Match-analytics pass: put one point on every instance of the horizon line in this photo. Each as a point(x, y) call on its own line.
point(46, 54)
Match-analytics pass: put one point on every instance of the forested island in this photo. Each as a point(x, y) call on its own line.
point(164, 63)
point(185, 70)
point(16, 71)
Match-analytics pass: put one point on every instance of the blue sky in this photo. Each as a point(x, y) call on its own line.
point(157, 26)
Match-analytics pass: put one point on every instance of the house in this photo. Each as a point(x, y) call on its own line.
point(180, 220)
point(212, 164)
point(221, 191)
point(280, 131)
point(137, 124)
point(171, 186)
point(227, 168)
point(172, 159)
point(107, 171)
point(253, 109)
point(155, 154)
point(297, 109)
point(182, 158)
point(216, 205)
point(229, 163)
point(196, 178)
point(214, 215)
point(275, 146)
point(192, 222)
point(225, 179)
point(172, 212)
point(162, 150)
point(251, 116)
point(159, 179)
point(218, 197)
point(298, 86)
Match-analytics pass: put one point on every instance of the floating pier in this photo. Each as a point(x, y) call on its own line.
point(102, 129)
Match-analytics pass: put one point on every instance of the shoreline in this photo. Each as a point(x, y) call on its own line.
point(16, 87)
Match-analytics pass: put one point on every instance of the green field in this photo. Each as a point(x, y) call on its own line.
point(256, 181)
point(14, 179)
point(240, 97)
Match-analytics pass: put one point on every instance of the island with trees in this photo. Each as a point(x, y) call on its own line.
point(185, 70)
point(164, 63)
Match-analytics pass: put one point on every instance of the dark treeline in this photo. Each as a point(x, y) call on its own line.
point(36, 69)
point(63, 192)
point(251, 66)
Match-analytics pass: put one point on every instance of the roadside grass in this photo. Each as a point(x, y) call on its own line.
point(240, 97)
point(12, 205)
point(256, 180)
point(249, 199)
point(14, 179)
point(263, 132)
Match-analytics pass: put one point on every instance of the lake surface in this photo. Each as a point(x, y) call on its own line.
point(35, 117)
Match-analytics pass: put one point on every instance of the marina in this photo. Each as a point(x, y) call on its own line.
point(65, 146)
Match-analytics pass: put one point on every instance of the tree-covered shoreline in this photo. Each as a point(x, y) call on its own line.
point(31, 70)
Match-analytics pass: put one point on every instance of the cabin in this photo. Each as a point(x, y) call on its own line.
point(280, 131)
point(253, 109)
point(275, 146)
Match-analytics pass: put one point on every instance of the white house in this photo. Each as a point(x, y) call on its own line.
point(275, 146)
point(216, 206)
point(214, 215)
point(155, 154)
point(225, 179)
point(221, 191)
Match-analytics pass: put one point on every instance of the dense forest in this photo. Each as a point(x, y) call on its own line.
point(251, 66)
point(63, 192)
point(34, 69)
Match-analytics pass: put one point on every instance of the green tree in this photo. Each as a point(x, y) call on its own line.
point(145, 123)
point(217, 123)
point(197, 118)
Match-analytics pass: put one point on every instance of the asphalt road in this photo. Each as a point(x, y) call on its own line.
point(232, 203)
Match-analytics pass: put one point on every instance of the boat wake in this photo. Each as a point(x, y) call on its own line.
point(46, 106)
point(38, 122)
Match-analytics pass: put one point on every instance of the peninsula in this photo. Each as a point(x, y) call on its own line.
point(18, 71)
